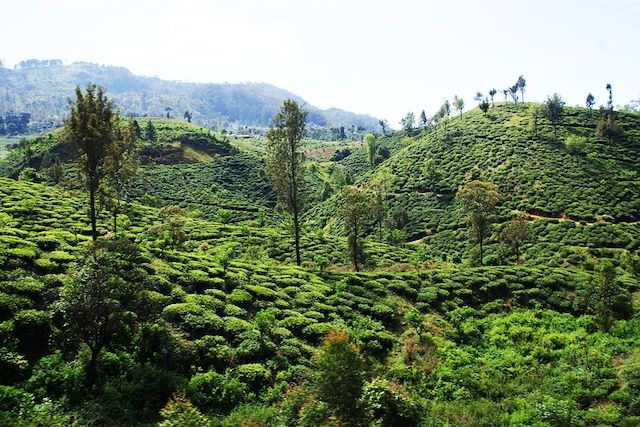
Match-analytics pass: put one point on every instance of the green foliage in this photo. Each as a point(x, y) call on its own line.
point(575, 144)
point(180, 412)
point(339, 376)
point(285, 163)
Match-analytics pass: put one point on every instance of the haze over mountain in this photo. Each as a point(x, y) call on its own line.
point(42, 88)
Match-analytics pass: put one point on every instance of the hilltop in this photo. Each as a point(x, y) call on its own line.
point(43, 91)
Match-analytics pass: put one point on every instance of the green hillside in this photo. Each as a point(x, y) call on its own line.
point(198, 296)
point(489, 345)
point(594, 192)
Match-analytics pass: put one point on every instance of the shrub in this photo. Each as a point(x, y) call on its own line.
point(180, 412)
point(388, 404)
point(339, 372)
point(575, 144)
point(217, 392)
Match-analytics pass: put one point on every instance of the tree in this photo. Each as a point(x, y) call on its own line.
point(91, 130)
point(407, 122)
point(521, 84)
point(610, 102)
point(492, 93)
point(343, 135)
point(505, 92)
point(150, 132)
point(513, 91)
point(168, 110)
point(355, 211)
point(553, 111)
point(383, 126)
point(187, 116)
point(372, 148)
point(458, 104)
point(607, 126)
point(136, 129)
point(604, 296)
point(285, 163)
point(431, 173)
point(591, 101)
point(478, 200)
point(479, 97)
point(515, 233)
point(339, 375)
point(536, 112)
point(484, 106)
point(423, 119)
point(120, 167)
point(99, 292)
point(171, 226)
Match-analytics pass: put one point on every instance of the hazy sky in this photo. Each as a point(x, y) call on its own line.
point(378, 57)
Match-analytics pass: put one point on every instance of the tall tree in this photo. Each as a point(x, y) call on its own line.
point(484, 105)
point(188, 116)
point(383, 126)
point(610, 103)
point(285, 162)
point(355, 211)
point(492, 93)
point(479, 200)
point(521, 84)
point(458, 104)
point(136, 128)
point(168, 110)
point(120, 167)
point(423, 119)
point(513, 91)
point(407, 122)
point(591, 101)
point(150, 133)
point(91, 131)
point(100, 290)
point(553, 111)
point(372, 148)
point(536, 111)
point(505, 92)
point(515, 234)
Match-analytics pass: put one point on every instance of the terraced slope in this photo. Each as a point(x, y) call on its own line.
point(534, 171)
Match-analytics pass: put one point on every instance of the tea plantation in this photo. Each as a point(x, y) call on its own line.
point(195, 313)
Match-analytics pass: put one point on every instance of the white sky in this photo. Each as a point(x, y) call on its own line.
point(371, 56)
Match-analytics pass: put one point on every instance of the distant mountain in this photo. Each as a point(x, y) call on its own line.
point(42, 89)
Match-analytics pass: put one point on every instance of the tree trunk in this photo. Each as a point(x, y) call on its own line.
point(481, 250)
point(92, 368)
point(294, 199)
point(355, 246)
point(296, 232)
point(92, 207)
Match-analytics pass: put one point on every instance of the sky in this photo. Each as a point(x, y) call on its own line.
point(380, 57)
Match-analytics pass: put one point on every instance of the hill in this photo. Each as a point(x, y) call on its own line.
point(593, 191)
point(43, 91)
point(198, 293)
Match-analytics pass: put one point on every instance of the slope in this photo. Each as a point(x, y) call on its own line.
point(535, 172)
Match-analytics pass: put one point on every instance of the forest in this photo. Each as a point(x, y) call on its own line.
point(475, 268)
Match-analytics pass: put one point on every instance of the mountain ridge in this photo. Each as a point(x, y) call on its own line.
point(43, 91)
